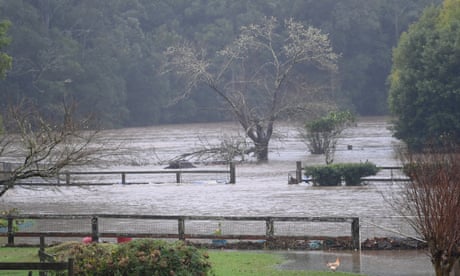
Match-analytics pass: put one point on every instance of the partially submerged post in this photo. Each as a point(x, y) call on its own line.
point(232, 173)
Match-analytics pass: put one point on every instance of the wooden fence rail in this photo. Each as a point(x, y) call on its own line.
point(55, 266)
point(123, 174)
point(392, 178)
point(180, 233)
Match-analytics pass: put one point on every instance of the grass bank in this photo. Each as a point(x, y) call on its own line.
point(229, 263)
point(225, 263)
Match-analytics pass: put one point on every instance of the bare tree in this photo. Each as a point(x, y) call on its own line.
point(262, 75)
point(431, 202)
point(230, 148)
point(41, 148)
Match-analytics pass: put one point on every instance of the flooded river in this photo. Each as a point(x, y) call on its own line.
point(260, 190)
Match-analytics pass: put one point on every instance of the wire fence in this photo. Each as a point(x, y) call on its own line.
point(364, 232)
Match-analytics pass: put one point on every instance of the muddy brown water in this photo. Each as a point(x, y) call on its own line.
point(260, 189)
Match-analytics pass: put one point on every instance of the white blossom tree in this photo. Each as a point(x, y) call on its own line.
point(261, 76)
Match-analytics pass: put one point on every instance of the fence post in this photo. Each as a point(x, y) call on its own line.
point(10, 231)
point(123, 178)
point(269, 228)
point(70, 267)
point(94, 229)
point(232, 173)
point(181, 228)
point(178, 177)
point(298, 172)
point(41, 251)
point(42, 247)
point(67, 178)
point(355, 233)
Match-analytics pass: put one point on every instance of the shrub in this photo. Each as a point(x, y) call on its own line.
point(330, 175)
point(353, 172)
point(89, 259)
point(324, 175)
point(138, 257)
point(157, 257)
point(16, 222)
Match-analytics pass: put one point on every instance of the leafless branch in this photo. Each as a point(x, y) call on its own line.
point(41, 148)
point(431, 202)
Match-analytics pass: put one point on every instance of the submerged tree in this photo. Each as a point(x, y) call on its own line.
point(262, 75)
point(431, 202)
point(322, 134)
point(40, 147)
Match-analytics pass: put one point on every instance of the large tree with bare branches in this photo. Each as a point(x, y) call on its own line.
point(36, 146)
point(261, 75)
point(431, 203)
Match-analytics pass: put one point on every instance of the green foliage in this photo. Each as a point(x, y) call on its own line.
point(16, 222)
point(156, 257)
point(333, 123)
point(5, 59)
point(223, 262)
point(352, 172)
point(136, 258)
point(425, 84)
point(112, 52)
point(322, 134)
point(325, 175)
point(90, 259)
point(332, 174)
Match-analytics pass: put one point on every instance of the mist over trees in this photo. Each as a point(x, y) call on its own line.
point(107, 55)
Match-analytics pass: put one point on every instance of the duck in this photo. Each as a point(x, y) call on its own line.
point(334, 265)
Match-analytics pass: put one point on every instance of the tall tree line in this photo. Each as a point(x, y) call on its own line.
point(107, 55)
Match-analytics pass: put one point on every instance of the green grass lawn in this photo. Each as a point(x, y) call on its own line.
point(18, 254)
point(229, 263)
point(224, 263)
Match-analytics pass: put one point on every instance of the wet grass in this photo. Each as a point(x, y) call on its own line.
point(225, 263)
point(230, 263)
point(18, 254)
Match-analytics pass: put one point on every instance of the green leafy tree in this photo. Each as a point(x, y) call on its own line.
point(5, 59)
point(425, 81)
point(322, 134)
point(364, 32)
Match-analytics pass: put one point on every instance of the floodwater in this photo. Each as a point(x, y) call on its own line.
point(260, 189)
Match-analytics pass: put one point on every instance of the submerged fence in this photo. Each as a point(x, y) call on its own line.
point(386, 174)
point(81, 178)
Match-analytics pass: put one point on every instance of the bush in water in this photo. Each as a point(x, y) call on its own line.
point(331, 175)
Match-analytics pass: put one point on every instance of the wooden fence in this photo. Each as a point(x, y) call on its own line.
point(393, 177)
point(193, 232)
point(231, 171)
point(54, 266)
point(47, 263)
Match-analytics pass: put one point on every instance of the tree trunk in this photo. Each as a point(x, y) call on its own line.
point(261, 136)
point(261, 151)
point(443, 267)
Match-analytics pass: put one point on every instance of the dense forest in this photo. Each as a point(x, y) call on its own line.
point(108, 55)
